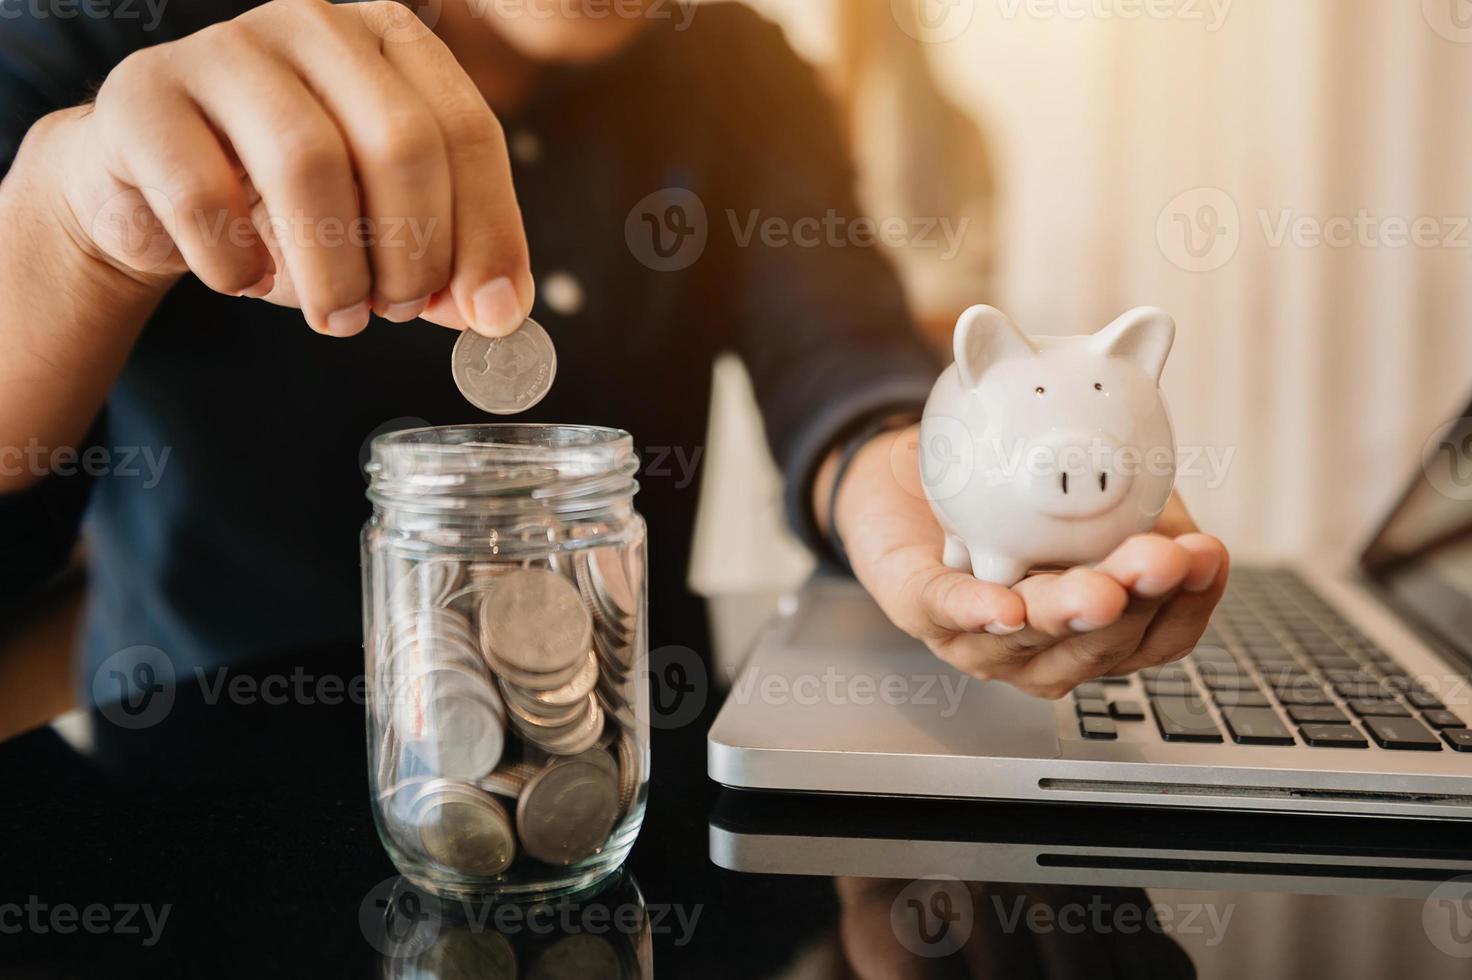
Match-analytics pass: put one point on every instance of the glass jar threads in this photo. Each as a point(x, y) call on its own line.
point(504, 636)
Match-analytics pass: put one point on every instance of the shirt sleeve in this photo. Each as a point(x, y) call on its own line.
point(49, 62)
point(821, 318)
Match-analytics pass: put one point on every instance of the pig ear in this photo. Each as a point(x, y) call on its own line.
point(984, 336)
point(1143, 335)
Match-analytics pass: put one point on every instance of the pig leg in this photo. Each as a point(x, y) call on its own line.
point(956, 555)
point(999, 569)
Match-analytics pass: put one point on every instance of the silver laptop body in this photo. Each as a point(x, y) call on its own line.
point(1311, 692)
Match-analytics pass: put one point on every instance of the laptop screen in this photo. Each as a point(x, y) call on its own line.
point(1422, 556)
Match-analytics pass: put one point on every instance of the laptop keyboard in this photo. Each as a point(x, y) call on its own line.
point(1280, 667)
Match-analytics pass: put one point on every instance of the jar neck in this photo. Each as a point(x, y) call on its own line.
point(504, 472)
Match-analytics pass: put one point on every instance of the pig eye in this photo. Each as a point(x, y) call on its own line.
point(1098, 386)
point(1040, 391)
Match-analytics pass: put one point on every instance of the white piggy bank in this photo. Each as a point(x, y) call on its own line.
point(1047, 450)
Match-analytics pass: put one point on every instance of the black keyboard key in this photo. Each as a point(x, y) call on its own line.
point(1101, 728)
point(1333, 736)
point(1113, 680)
point(1458, 738)
point(1401, 733)
point(1127, 711)
point(1169, 688)
point(1303, 694)
point(1096, 707)
point(1090, 689)
point(1168, 672)
point(1423, 699)
point(1371, 708)
point(1285, 676)
point(1441, 718)
point(1213, 653)
point(1369, 690)
point(1246, 699)
point(1313, 714)
point(1256, 726)
point(1184, 720)
point(1228, 682)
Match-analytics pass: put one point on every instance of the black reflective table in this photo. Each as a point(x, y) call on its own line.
point(231, 836)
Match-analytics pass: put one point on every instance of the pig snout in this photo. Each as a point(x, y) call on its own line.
point(1074, 475)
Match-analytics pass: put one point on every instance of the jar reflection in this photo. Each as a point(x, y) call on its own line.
point(600, 936)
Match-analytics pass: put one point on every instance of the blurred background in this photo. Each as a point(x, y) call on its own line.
point(1290, 180)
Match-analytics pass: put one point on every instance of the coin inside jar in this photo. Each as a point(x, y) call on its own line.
point(505, 375)
point(567, 810)
point(452, 720)
point(464, 828)
point(534, 623)
point(629, 760)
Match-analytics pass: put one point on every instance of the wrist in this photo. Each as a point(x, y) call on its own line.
point(54, 197)
point(870, 462)
point(869, 445)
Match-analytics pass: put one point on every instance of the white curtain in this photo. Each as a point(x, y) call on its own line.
point(1320, 153)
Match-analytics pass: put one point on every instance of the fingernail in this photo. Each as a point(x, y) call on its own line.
point(1002, 629)
point(404, 312)
point(497, 310)
point(348, 320)
point(261, 288)
point(1150, 588)
point(1082, 624)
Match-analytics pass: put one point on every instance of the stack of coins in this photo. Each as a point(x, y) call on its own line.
point(537, 635)
point(604, 588)
point(503, 723)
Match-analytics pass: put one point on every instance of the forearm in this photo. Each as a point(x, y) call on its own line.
point(68, 318)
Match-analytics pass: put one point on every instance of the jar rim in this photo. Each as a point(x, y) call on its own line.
point(530, 461)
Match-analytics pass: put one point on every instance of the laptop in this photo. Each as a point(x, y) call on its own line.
point(1310, 691)
point(1130, 847)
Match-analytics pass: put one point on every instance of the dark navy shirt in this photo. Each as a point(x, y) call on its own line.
point(243, 540)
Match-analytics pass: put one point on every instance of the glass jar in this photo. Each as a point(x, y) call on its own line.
point(505, 638)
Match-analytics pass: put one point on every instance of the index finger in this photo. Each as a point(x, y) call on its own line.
point(491, 280)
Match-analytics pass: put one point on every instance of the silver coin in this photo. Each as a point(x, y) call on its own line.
point(453, 721)
point(629, 771)
point(615, 656)
point(534, 622)
point(567, 810)
point(548, 737)
point(530, 681)
point(574, 739)
point(387, 757)
point(505, 781)
point(558, 699)
point(424, 584)
point(464, 829)
point(505, 375)
point(551, 721)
